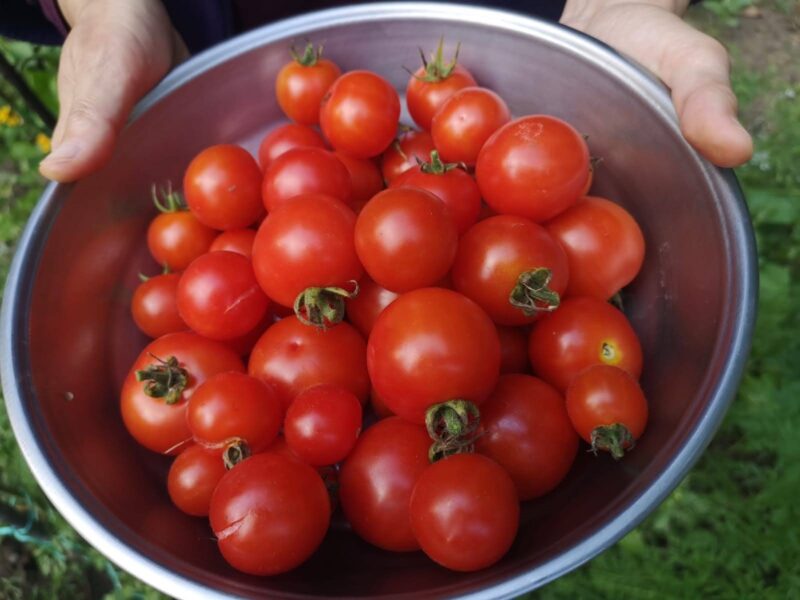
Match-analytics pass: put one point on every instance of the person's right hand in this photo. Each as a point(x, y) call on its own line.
point(115, 52)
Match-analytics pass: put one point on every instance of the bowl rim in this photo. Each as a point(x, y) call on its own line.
point(18, 291)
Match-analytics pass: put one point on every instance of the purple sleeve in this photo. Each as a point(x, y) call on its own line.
point(53, 14)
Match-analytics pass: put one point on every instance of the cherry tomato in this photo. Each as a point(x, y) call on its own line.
point(365, 179)
point(604, 245)
point(607, 408)
point(155, 412)
point(305, 171)
point(302, 83)
point(363, 309)
point(513, 349)
point(219, 297)
point(404, 152)
point(292, 357)
point(465, 512)
point(359, 114)
point(223, 187)
point(154, 305)
point(464, 123)
point(406, 239)
point(239, 241)
point(176, 238)
point(192, 477)
point(429, 346)
point(243, 344)
point(307, 242)
point(269, 502)
point(284, 138)
point(322, 424)
point(581, 333)
point(528, 433)
point(377, 479)
point(534, 167)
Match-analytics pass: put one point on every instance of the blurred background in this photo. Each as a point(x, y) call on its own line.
point(730, 530)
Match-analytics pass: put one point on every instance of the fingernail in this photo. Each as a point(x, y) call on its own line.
point(65, 151)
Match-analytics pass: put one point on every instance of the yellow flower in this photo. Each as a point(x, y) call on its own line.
point(9, 117)
point(43, 142)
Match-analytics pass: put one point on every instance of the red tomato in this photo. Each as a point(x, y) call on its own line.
point(464, 123)
point(404, 152)
point(239, 241)
point(377, 479)
point(219, 297)
point(192, 478)
point(292, 357)
point(223, 187)
point(363, 309)
point(379, 406)
point(495, 253)
point(269, 502)
point(365, 179)
point(243, 344)
point(302, 83)
point(176, 238)
point(604, 245)
point(154, 305)
point(308, 242)
point(535, 167)
point(513, 349)
point(528, 433)
point(465, 512)
point(581, 333)
point(322, 424)
point(607, 408)
point(305, 171)
point(429, 346)
point(405, 239)
point(284, 138)
point(359, 114)
point(155, 413)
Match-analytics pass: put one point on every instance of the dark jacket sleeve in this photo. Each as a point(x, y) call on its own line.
point(37, 21)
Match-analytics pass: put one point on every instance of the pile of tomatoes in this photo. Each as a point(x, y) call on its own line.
point(414, 330)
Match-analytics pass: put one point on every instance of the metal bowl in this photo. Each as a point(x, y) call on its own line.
point(68, 339)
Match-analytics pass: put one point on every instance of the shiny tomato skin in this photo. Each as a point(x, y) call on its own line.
point(527, 432)
point(464, 123)
point(424, 99)
point(300, 89)
point(192, 478)
point(604, 245)
point(513, 349)
point(363, 310)
point(402, 155)
point(429, 346)
point(365, 179)
point(583, 332)
point(284, 138)
point(239, 241)
point(159, 426)
point(307, 242)
point(406, 239)
point(269, 502)
point(465, 512)
point(154, 305)
point(376, 481)
point(534, 167)
point(175, 239)
point(222, 186)
point(494, 253)
point(293, 357)
point(359, 114)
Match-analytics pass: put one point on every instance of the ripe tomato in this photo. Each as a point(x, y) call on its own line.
point(502, 264)
point(154, 305)
point(243, 344)
point(405, 239)
point(359, 114)
point(581, 333)
point(302, 83)
point(239, 241)
point(404, 152)
point(307, 242)
point(513, 349)
point(219, 297)
point(363, 309)
point(365, 179)
point(284, 138)
point(154, 406)
point(292, 357)
point(604, 245)
point(175, 238)
point(192, 477)
point(377, 479)
point(305, 171)
point(465, 512)
point(528, 433)
point(322, 424)
point(453, 186)
point(223, 187)
point(535, 167)
point(429, 346)
point(464, 123)
point(269, 502)
point(607, 408)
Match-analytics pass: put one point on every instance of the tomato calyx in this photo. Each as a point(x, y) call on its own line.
point(454, 427)
point(164, 379)
point(167, 200)
point(614, 439)
point(532, 294)
point(437, 69)
point(164, 271)
point(309, 57)
point(436, 166)
point(323, 307)
point(235, 452)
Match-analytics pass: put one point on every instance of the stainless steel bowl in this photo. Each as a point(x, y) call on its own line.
point(68, 339)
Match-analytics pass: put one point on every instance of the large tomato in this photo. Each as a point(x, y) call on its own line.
point(302, 83)
point(154, 305)
point(404, 153)
point(284, 138)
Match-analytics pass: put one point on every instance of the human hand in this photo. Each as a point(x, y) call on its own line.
point(115, 52)
point(693, 65)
